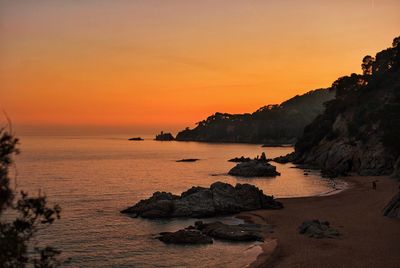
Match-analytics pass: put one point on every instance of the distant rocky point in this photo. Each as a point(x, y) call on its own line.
point(220, 199)
point(164, 137)
point(272, 125)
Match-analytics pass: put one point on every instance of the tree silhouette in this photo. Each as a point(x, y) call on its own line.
point(25, 216)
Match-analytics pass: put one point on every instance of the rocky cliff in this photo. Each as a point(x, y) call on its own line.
point(272, 124)
point(360, 129)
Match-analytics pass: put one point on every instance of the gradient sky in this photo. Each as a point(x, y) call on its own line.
point(149, 65)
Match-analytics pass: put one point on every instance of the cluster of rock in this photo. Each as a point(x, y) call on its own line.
point(220, 199)
point(203, 233)
point(318, 229)
point(164, 137)
point(392, 209)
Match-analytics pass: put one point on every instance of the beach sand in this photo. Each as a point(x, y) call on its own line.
point(367, 239)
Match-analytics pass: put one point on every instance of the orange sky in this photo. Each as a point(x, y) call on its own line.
point(147, 65)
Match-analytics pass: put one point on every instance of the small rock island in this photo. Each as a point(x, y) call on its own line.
point(258, 167)
point(164, 137)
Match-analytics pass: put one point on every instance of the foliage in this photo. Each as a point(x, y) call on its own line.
point(21, 219)
point(369, 102)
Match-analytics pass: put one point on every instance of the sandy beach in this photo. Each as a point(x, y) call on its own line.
point(367, 239)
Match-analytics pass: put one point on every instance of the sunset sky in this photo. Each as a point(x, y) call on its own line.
point(143, 66)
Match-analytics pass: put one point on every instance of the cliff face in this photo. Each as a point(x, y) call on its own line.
point(272, 124)
point(360, 129)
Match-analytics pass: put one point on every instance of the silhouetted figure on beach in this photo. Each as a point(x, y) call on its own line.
point(374, 185)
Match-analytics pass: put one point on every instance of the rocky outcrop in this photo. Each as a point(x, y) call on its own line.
point(392, 209)
point(254, 168)
point(272, 124)
point(164, 137)
point(220, 199)
point(359, 130)
point(318, 229)
point(204, 233)
point(185, 237)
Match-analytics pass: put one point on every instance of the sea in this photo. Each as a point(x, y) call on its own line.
point(92, 178)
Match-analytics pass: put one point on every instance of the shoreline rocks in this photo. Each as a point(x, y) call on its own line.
point(204, 233)
point(284, 159)
point(199, 202)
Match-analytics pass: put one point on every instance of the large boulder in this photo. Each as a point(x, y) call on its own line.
point(254, 168)
point(197, 202)
point(392, 209)
point(318, 229)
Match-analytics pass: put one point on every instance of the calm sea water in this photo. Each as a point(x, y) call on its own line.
point(93, 178)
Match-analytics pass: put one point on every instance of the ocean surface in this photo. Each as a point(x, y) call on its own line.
point(93, 178)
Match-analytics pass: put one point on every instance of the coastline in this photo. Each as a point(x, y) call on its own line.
point(356, 211)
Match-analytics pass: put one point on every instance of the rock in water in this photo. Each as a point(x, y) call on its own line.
point(220, 199)
point(164, 137)
point(185, 237)
point(392, 209)
point(219, 230)
point(254, 168)
point(318, 229)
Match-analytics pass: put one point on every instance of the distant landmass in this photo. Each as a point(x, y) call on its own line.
point(360, 129)
point(271, 124)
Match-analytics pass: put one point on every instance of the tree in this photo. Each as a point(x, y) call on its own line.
point(367, 64)
point(25, 216)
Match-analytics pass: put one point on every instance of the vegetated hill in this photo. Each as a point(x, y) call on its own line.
point(272, 124)
point(360, 129)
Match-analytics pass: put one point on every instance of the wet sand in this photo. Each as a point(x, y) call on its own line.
point(367, 239)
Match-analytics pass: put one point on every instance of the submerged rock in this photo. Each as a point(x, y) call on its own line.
point(318, 229)
point(392, 209)
point(185, 236)
point(254, 168)
point(220, 199)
